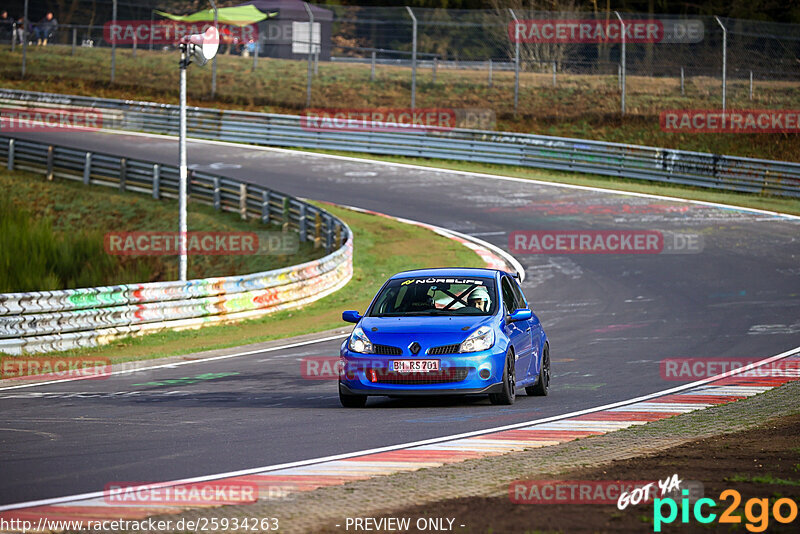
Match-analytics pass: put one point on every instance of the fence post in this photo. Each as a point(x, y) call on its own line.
point(310, 52)
point(623, 80)
point(243, 201)
point(87, 168)
point(435, 59)
point(302, 222)
point(214, 59)
point(25, 38)
point(413, 58)
point(265, 206)
point(217, 194)
point(490, 72)
point(554, 73)
point(255, 57)
point(113, 43)
point(74, 39)
point(682, 89)
point(724, 65)
point(134, 45)
point(123, 173)
point(516, 60)
point(50, 163)
point(156, 181)
point(10, 154)
point(751, 85)
point(372, 72)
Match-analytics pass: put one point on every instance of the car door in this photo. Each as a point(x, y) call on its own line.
point(518, 331)
point(535, 328)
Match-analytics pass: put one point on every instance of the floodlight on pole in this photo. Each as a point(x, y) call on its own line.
point(197, 48)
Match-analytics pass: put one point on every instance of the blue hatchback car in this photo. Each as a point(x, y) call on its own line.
point(453, 331)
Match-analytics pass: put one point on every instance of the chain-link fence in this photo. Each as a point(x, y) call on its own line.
point(513, 61)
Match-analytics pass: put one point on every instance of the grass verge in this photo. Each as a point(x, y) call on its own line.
point(61, 220)
point(583, 106)
point(382, 248)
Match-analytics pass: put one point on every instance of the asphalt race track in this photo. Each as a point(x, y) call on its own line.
point(610, 318)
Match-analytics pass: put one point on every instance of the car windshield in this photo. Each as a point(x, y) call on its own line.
point(435, 296)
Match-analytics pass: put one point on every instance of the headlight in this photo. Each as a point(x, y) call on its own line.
point(359, 342)
point(480, 339)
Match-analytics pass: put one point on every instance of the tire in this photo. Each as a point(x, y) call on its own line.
point(542, 385)
point(509, 393)
point(352, 401)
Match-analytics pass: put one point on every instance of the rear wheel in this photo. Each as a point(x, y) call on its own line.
point(542, 385)
point(352, 401)
point(509, 392)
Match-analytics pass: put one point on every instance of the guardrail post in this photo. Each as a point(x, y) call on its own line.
point(328, 235)
point(265, 207)
point(317, 230)
point(50, 163)
point(10, 154)
point(123, 173)
point(87, 168)
point(285, 227)
point(156, 181)
point(243, 201)
point(338, 238)
point(302, 222)
point(217, 195)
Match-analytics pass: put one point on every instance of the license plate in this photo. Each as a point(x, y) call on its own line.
point(410, 366)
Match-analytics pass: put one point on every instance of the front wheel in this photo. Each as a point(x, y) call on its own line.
point(352, 401)
point(542, 386)
point(509, 392)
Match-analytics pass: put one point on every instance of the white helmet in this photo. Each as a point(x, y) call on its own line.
point(479, 293)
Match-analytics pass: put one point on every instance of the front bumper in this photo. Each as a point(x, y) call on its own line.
point(369, 374)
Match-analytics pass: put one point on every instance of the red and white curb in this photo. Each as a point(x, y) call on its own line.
point(337, 470)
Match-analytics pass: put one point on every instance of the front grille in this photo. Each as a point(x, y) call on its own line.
point(445, 349)
point(386, 350)
point(451, 374)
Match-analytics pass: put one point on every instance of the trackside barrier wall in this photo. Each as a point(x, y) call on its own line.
point(539, 151)
point(59, 320)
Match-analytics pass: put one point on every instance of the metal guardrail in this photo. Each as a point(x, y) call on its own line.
point(58, 320)
point(539, 151)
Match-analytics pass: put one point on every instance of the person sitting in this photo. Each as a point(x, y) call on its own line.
point(46, 29)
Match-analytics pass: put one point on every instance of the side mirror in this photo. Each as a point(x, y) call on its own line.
point(520, 314)
point(351, 316)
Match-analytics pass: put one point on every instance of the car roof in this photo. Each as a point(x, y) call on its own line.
point(451, 271)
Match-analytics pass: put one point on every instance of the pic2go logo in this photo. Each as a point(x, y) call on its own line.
point(757, 511)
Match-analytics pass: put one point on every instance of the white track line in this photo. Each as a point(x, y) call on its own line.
point(177, 364)
point(461, 173)
point(269, 468)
